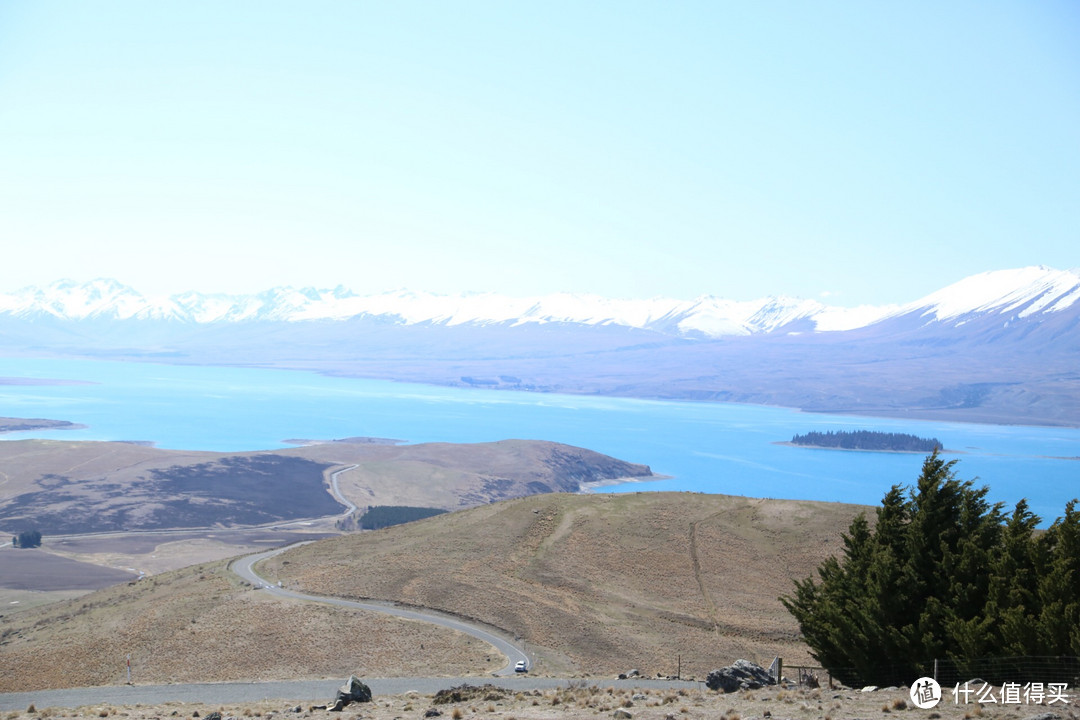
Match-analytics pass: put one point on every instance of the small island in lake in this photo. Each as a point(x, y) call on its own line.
point(868, 440)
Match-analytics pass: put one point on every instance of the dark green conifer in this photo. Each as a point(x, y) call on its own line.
point(943, 574)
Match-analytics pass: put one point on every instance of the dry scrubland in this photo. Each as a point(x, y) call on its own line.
point(202, 624)
point(598, 584)
point(572, 703)
point(80, 487)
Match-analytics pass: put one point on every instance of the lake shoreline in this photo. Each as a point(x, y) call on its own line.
point(710, 447)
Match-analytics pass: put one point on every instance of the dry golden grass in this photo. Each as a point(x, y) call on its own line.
point(598, 584)
point(594, 584)
point(201, 624)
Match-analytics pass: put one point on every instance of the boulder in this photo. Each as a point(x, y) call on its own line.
point(742, 675)
point(352, 691)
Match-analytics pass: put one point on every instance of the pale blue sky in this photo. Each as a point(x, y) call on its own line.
point(860, 152)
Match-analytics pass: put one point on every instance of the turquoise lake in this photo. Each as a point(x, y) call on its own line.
point(704, 447)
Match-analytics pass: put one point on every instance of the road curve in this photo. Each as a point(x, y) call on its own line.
point(350, 507)
point(245, 568)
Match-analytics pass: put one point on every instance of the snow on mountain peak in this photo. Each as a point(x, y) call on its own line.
point(1020, 292)
point(1023, 291)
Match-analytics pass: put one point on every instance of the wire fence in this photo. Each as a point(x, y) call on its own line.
point(997, 671)
point(948, 672)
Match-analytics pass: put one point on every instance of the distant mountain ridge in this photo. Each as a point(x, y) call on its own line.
point(997, 347)
point(1022, 293)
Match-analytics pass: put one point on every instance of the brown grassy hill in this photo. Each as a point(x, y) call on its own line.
point(202, 624)
point(595, 584)
point(598, 583)
point(81, 487)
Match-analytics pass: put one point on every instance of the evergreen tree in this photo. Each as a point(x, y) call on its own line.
point(1058, 628)
point(943, 574)
point(28, 539)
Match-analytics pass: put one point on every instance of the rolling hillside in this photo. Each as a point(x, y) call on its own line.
point(595, 584)
point(82, 487)
point(601, 583)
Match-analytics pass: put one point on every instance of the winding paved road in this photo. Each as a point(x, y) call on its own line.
point(244, 567)
point(350, 507)
point(318, 690)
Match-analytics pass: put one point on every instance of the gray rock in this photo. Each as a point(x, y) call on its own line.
point(352, 691)
point(632, 673)
point(742, 675)
point(1043, 716)
point(621, 714)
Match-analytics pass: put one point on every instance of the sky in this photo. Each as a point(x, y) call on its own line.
point(853, 152)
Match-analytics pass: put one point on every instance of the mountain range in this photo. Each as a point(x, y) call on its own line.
point(1020, 293)
point(1001, 346)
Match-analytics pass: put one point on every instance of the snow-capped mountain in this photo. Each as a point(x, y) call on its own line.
point(1020, 293)
point(995, 347)
point(108, 299)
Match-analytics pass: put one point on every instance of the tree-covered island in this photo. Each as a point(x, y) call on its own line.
point(868, 440)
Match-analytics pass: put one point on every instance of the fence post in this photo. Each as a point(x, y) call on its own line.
point(935, 669)
point(776, 669)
